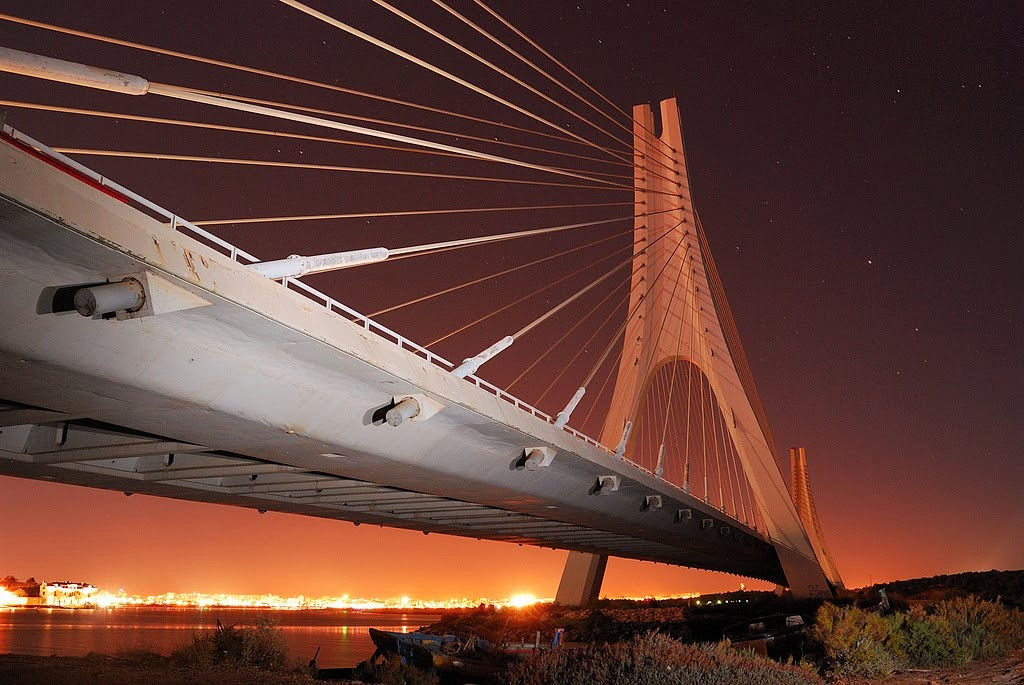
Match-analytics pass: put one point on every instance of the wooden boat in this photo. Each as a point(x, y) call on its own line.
point(435, 652)
point(777, 636)
point(448, 653)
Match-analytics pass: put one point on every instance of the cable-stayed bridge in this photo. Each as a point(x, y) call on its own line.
point(147, 353)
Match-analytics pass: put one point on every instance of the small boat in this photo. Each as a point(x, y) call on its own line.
point(777, 636)
point(414, 649)
point(471, 656)
point(430, 652)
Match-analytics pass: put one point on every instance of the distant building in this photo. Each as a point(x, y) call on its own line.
point(68, 594)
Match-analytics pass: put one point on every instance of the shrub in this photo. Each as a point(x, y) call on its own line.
point(261, 646)
point(199, 652)
point(863, 644)
point(854, 642)
point(923, 641)
point(655, 659)
point(982, 629)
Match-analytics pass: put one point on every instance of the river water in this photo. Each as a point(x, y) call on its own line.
point(342, 635)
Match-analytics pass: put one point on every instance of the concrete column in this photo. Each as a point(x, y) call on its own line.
point(804, 575)
point(581, 579)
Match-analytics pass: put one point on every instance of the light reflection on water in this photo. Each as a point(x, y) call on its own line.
point(342, 635)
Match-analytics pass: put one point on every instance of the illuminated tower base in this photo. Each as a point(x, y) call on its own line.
point(581, 579)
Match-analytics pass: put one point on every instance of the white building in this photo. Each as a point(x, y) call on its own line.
point(67, 594)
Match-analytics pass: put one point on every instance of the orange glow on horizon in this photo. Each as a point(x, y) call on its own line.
point(103, 599)
point(523, 600)
point(109, 600)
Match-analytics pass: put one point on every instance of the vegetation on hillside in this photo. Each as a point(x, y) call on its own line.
point(854, 642)
point(689, 620)
point(932, 623)
point(1002, 586)
point(30, 585)
point(656, 659)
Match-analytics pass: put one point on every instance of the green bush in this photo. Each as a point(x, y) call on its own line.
point(655, 659)
point(858, 643)
point(261, 646)
point(854, 642)
point(923, 641)
point(982, 629)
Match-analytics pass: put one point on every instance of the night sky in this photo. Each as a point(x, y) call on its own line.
point(857, 173)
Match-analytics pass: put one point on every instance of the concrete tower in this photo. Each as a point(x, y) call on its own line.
point(670, 242)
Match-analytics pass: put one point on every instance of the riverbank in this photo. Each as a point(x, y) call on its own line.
point(152, 669)
point(1003, 671)
point(137, 669)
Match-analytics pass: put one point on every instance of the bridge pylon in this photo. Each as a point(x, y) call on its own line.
point(678, 317)
point(800, 482)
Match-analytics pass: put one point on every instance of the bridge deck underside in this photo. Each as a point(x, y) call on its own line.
point(267, 486)
point(267, 401)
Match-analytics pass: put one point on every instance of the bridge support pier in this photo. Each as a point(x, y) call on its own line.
point(581, 579)
point(804, 576)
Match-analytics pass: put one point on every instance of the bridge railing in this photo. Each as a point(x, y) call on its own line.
point(241, 256)
point(366, 322)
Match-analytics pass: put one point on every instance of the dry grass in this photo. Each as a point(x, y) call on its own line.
point(655, 659)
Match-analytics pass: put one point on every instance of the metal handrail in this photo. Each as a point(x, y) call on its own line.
point(177, 222)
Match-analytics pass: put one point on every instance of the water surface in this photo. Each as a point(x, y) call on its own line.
point(342, 635)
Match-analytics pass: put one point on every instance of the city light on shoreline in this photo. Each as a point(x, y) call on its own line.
point(109, 600)
point(85, 596)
